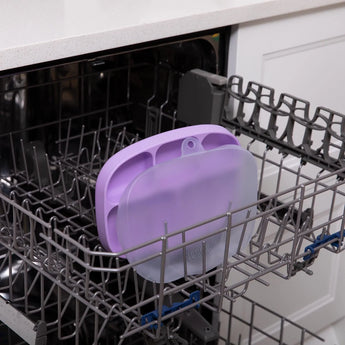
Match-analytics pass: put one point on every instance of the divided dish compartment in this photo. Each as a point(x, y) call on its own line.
point(122, 169)
point(170, 182)
point(117, 185)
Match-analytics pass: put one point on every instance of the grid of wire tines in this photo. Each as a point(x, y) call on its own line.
point(48, 220)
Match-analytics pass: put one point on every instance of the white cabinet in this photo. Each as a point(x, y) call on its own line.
point(302, 55)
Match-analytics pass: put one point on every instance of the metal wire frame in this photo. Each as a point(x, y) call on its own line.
point(61, 191)
point(286, 123)
point(53, 304)
point(251, 332)
point(156, 112)
point(51, 227)
point(48, 223)
point(43, 297)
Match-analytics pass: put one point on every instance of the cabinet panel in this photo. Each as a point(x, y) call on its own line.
point(302, 55)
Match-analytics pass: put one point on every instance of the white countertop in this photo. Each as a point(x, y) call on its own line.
point(37, 31)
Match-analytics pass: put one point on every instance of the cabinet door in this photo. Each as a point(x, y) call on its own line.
point(303, 55)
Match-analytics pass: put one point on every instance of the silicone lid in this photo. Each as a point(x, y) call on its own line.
point(182, 192)
point(123, 167)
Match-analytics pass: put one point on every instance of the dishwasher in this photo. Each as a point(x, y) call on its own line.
point(62, 121)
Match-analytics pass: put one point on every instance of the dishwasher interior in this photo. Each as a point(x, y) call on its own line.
point(61, 122)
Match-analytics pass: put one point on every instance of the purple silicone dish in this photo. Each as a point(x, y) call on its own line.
point(125, 166)
point(181, 194)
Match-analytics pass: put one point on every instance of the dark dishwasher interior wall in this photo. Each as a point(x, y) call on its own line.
point(60, 123)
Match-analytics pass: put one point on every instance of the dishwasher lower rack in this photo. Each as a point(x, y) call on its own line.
point(91, 327)
point(84, 295)
point(55, 273)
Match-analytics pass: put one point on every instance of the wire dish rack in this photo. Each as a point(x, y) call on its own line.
point(55, 272)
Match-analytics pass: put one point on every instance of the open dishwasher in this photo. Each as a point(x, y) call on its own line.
point(61, 122)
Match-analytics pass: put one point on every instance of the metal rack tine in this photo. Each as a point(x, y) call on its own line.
point(80, 144)
point(37, 168)
point(243, 231)
point(50, 176)
point(117, 142)
point(92, 157)
point(62, 179)
point(13, 154)
point(24, 160)
point(108, 138)
point(68, 137)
